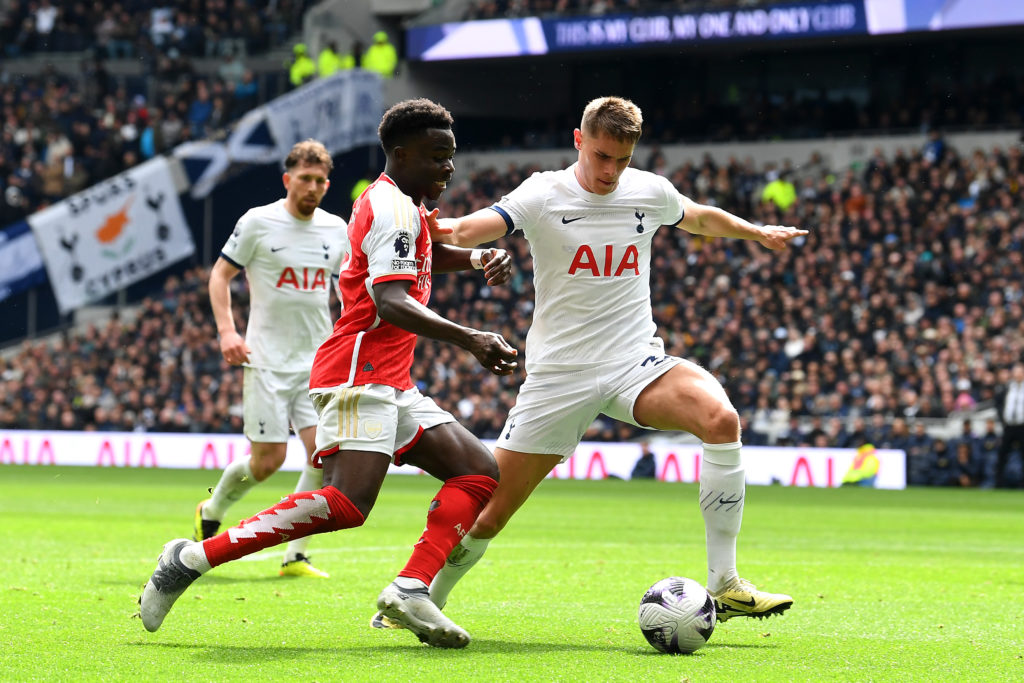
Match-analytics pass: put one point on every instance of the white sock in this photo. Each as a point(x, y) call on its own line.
point(193, 556)
point(722, 490)
point(311, 479)
point(461, 559)
point(407, 582)
point(234, 483)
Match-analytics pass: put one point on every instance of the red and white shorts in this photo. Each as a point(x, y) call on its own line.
point(373, 417)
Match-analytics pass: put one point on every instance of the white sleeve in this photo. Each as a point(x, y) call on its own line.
point(241, 245)
point(673, 204)
point(390, 243)
point(523, 206)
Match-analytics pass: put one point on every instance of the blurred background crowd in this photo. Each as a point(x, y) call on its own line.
point(904, 302)
point(903, 306)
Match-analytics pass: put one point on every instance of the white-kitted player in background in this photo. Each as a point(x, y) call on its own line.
point(291, 251)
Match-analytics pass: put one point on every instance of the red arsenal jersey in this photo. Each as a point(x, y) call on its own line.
point(389, 241)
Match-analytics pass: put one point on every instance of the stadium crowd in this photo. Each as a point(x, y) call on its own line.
point(60, 133)
point(904, 302)
point(145, 29)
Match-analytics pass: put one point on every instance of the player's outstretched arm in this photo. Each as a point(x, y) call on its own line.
point(398, 308)
point(701, 219)
point(485, 225)
point(232, 345)
point(496, 263)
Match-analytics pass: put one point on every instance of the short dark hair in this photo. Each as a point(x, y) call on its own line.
point(409, 118)
point(311, 152)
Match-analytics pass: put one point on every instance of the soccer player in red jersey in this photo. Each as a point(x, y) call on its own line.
point(370, 413)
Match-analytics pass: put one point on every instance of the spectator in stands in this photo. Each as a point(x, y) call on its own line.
point(779, 191)
point(645, 467)
point(302, 68)
point(381, 57)
point(988, 452)
point(919, 453)
point(231, 70)
point(329, 61)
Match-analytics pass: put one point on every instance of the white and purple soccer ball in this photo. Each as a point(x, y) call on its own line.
point(677, 615)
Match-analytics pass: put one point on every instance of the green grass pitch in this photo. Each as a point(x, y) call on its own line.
point(888, 585)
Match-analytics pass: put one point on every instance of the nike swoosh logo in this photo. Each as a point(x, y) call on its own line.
point(567, 221)
point(274, 249)
point(749, 603)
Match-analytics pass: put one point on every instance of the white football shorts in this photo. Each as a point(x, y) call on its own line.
point(373, 417)
point(556, 407)
point(273, 400)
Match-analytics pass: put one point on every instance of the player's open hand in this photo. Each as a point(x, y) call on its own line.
point(777, 237)
point(441, 229)
point(493, 352)
point(497, 266)
point(234, 348)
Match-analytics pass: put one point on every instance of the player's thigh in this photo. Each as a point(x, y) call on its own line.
point(687, 397)
point(449, 450)
point(308, 438)
point(521, 473)
point(552, 412)
point(301, 413)
point(265, 400)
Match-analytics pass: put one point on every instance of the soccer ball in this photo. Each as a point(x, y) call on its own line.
point(677, 615)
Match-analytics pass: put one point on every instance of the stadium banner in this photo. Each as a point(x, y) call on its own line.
point(21, 264)
point(901, 16)
point(203, 162)
point(117, 232)
point(341, 111)
point(536, 36)
point(820, 467)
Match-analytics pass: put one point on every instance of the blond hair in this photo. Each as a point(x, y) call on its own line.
point(310, 152)
point(616, 116)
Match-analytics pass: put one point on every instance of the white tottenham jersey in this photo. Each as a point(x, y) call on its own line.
point(289, 264)
point(591, 263)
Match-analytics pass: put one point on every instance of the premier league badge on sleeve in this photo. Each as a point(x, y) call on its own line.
point(403, 245)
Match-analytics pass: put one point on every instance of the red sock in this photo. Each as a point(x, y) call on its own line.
point(451, 515)
point(298, 515)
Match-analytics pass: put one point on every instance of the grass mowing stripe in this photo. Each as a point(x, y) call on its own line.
point(916, 585)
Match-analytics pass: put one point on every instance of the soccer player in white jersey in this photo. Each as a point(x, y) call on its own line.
point(370, 413)
point(291, 250)
point(592, 347)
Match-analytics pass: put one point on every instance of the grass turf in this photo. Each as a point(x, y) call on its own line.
point(924, 584)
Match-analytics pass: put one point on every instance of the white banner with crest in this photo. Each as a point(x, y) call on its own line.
point(117, 232)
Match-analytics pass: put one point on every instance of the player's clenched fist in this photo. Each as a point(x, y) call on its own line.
point(493, 352)
point(234, 348)
point(497, 266)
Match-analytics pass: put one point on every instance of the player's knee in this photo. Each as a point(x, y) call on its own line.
point(723, 425)
point(264, 467)
point(364, 508)
point(488, 467)
point(488, 524)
